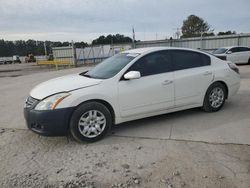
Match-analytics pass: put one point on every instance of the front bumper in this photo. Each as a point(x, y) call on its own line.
point(48, 122)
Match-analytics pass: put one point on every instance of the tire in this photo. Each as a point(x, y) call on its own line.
point(249, 61)
point(215, 97)
point(90, 122)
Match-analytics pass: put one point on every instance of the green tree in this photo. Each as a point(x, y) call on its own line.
point(227, 33)
point(112, 39)
point(195, 26)
point(81, 44)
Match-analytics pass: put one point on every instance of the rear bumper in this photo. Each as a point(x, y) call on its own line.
point(48, 122)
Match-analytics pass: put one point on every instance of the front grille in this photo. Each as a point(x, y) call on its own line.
point(30, 102)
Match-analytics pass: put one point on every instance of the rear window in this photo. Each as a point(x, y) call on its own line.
point(187, 59)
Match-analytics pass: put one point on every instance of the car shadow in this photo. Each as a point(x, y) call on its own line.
point(186, 122)
point(154, 120)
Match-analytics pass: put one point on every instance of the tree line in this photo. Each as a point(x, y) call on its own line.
point(112, 39)
point(23, 48)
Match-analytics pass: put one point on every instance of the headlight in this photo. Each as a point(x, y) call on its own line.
point(51, 102)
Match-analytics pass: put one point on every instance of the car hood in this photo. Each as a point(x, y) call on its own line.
point(62, 84)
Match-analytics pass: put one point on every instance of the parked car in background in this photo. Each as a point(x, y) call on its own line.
point(235, 54)
point(30, 58)
point(131, 85)
point(16, 59)
point(10, 60)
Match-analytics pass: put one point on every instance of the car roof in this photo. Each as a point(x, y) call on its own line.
point(228, 47)
point(153, 49)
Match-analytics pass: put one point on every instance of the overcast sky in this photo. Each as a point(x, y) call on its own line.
point(85, 20)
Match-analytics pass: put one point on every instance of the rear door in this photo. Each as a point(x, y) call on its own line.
point(193, 74)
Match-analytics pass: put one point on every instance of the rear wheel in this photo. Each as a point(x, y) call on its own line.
point(90, 122)
point(215, 97)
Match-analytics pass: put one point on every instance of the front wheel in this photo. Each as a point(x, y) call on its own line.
point(90, 122)
point(215, 97)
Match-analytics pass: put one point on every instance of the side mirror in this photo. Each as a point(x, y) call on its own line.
point(132, 75)
point(229, 52)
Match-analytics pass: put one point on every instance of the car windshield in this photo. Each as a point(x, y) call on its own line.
point(220, 51)
point(111, 66)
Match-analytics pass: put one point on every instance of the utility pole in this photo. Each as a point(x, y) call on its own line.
point(74, 53)
point(112, 46)
point(201, 40)
point(202, 33)
point(171, 41)
point(133, 40)
point(177, 34)
point(45, 49)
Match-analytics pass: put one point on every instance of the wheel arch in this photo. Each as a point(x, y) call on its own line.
point(105, 103)
point(224, 84)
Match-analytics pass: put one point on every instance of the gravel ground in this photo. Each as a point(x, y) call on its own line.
point(29, 160)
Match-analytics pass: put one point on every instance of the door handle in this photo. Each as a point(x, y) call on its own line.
point(207, 73)
point(166, 82)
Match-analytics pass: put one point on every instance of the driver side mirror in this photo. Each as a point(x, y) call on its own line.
point(132, 75)
point(229, 52)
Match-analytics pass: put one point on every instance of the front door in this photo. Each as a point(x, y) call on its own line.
point(154, 91)
point(234, 56)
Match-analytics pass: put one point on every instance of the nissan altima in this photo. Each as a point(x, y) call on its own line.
point(134, 84)
point(235, 54)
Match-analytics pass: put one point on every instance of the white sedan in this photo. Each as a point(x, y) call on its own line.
point(235, 54)
point(133, 84)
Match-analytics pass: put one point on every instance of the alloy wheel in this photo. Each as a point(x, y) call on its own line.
point(92, 123)
point(216, 97)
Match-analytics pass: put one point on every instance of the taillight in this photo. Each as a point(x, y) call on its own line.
point(234, 67)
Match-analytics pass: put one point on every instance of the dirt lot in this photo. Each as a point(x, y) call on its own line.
point(184, 149)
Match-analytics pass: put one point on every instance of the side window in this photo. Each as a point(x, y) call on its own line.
point(187, 59)
point(244, 49)
point(154, 63)
point(234, 50)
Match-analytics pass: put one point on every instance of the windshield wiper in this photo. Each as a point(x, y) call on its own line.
point(86, 75)
point(89, 76)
